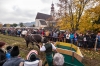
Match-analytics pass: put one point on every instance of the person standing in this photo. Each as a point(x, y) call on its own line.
point(71, 38)
point(67, 37)
point(98, 40)
point(47, 48)
point(15, 60)
point(8, 56)
point(2, 54)
point(58, 60)
point(32, 59)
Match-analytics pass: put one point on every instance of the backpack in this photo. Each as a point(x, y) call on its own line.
point(8, 56)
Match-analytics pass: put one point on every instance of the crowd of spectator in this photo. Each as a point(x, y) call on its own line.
point(11, 56)
point(86, 40)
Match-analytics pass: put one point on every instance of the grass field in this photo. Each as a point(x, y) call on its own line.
point(91, 57)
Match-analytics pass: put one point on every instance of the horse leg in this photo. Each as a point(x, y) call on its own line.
point(38, 46)
point(27, 42)
point(32, 44)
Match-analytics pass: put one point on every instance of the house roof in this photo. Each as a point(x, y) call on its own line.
point(43, 16)
point(42, 22)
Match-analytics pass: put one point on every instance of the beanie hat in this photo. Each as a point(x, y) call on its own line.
point(32, 55)
point(2, 44)
point(15, 51)
point(58, 59)
point(8, 48)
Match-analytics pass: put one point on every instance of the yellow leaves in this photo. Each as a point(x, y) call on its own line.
point(78, 5)
point(87, 21)
point(90, 54)
point(96, 9)
point(96, 26)
point(76, 16)
point(64, 23)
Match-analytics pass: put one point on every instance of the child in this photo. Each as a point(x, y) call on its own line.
point(8, 56)
point(32, 59)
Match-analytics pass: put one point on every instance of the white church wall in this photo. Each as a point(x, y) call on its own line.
point(39, 25)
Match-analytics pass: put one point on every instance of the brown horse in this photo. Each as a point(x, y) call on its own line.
point(31, 38)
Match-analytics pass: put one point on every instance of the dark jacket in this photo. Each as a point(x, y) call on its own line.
point(48, 49)
point(14, 61)
point(2, 57)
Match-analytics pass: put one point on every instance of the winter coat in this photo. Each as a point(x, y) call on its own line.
point(2, 57)
point(14, 61)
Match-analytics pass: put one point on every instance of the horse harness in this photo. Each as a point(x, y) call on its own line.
point(32, 38)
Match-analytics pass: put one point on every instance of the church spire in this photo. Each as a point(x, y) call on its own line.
point(52, 9)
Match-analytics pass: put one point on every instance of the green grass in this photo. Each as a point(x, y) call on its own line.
point(10, 40)
point(91, 57)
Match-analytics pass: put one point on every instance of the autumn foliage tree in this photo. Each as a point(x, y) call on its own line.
point(91, 19)
point(73, 14)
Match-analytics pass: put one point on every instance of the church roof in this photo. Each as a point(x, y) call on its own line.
point(43, 16)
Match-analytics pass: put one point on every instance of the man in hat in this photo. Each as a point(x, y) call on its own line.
point(48, 49)
point(2, 54)
point(14, 60)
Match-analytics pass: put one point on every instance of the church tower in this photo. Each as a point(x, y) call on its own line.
point(52, 10)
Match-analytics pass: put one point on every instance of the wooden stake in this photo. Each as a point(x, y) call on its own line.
point(95, 46)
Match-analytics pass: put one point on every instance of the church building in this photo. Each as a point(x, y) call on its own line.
point(44, 20)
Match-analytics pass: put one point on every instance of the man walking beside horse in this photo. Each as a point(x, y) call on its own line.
point(48, 49)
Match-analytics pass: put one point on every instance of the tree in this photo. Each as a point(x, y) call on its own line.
point(85, 22)
point(74, 9)
point(91, 19)
point(96, 17)
point(21, 24)
point(33, 25)
point(4, 25)
point(98, 21)
point(14, 24)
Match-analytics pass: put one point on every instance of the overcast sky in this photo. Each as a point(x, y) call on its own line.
point(16, 11)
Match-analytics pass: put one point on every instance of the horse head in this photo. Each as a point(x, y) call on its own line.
point(24, 33)
point(44, 40)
